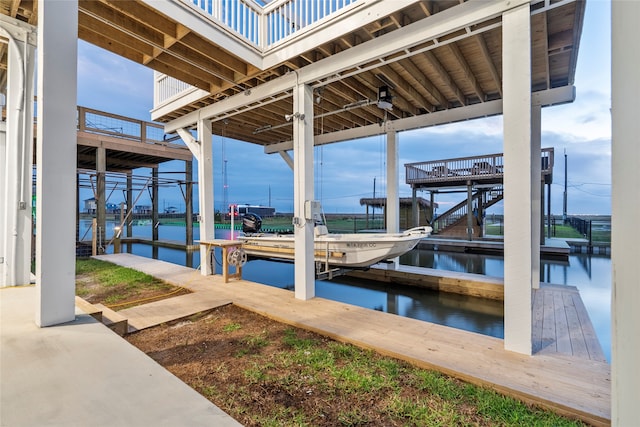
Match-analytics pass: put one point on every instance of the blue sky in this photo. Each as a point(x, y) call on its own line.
point(345, 172)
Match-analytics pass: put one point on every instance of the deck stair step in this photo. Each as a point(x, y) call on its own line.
point(89, 308)
point(113, 320)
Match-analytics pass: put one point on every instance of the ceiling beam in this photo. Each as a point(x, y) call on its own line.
point(544, 98)
point(328, 69)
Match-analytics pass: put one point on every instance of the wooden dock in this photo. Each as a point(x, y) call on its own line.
point(571, 384)
point(552, 248)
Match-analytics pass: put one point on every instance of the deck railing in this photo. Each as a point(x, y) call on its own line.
point(471, 168)
point(100, 122)
point(263, 27)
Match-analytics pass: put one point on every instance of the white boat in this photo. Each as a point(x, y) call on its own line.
point(337, 250)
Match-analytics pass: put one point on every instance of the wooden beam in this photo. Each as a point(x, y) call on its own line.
point(468, 72)
point(424, 82)
point(405, 89)
point(487, 59)
point(446, 78)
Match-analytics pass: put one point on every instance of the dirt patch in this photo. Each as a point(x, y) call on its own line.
point(265, 373)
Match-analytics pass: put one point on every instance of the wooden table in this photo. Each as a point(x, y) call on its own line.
point(226, 246)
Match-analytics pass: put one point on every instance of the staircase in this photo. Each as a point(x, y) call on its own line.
point(453, 223)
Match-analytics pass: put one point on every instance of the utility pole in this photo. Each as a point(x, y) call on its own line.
point(564, 200)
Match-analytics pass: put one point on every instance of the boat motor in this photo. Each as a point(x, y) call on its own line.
point(251, 223)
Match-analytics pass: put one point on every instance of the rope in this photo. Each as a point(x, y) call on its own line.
point(146, 299)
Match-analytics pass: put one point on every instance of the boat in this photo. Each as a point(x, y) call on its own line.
point(350, 250)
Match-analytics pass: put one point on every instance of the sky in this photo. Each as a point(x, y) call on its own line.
point(345, 172)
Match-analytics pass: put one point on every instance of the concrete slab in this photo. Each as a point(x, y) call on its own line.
point(83, 374)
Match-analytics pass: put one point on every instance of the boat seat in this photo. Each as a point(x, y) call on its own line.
point(321, 230)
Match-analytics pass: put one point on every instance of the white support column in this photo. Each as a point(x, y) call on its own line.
point(56, 157)
point(205, 192)
point(393, 201)
point(625, 210)
point(4, 167)
point(516, 65)
point(303, 190)
point(15, 245)
point(536, 193)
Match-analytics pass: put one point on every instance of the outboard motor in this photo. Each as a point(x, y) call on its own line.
point(251, 223)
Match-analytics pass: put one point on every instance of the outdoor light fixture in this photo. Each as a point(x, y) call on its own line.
point(288, 117)
point(384, 98)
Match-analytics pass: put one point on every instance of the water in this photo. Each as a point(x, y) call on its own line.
point(591, 274)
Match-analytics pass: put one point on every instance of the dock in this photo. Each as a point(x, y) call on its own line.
point(553, 248)
point(575, 384)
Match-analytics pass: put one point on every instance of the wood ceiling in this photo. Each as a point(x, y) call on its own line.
point(461, 73)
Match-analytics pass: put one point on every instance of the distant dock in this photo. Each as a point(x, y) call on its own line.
point(553, 248)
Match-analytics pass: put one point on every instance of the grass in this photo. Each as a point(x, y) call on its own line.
point(400, 393)
point(112, 285)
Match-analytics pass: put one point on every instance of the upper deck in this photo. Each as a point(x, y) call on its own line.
point(461, 171)
point(441, 61)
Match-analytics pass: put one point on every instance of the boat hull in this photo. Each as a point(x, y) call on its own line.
point(340, 250)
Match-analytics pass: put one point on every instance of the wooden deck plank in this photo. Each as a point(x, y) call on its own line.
point(578, 343)
point(158, 312)
point(548, 323)
point(570, 385)
point(563, 340)
point(591, 339)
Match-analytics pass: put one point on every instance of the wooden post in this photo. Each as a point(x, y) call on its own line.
point(94, 237)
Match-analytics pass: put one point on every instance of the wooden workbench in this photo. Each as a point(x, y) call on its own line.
point(226, 246)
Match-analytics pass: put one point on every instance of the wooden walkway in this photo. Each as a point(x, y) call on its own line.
point(561, 324)
point(574, 386)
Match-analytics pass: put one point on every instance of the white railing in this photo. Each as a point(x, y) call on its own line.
point(285, 18)
point(241, 16)
point(261, 26)
point(167, 87)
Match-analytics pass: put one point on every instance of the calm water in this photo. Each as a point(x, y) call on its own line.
point(591, 274)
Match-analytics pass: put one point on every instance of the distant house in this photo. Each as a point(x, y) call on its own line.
point(171, 210)
point(90, 205)
point(112, 208)
point(142, 209)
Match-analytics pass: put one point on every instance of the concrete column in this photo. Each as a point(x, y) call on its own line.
point(393, 200)
point(101, 196)
point(205, 192)
point(56, 157)
point(15, 246)
point(537, 225)
point(625, 210)
point(518, 221)
point(303, 190)
point(4, 228)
